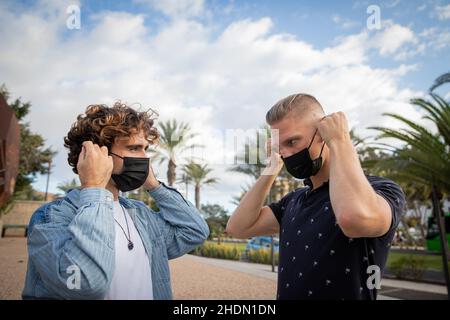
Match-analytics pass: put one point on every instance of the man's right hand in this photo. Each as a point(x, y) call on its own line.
point(275, 163)
point(94, 166)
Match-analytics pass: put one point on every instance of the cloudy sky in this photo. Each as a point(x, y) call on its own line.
point(218, 65)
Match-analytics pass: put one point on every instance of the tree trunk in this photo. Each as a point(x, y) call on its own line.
point(440, 219)
point(171, 175)
point(197, 196)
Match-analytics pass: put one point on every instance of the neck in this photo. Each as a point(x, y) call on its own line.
point(113, 189)
point(324, 173)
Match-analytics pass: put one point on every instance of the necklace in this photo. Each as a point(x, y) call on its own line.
point(130, 243)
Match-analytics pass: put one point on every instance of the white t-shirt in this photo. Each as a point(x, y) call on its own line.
point(132, 279)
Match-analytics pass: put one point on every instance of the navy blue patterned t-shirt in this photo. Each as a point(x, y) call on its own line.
point(317, 261)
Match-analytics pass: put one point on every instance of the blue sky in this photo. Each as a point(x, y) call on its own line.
point(312, 21)
point(219, 65)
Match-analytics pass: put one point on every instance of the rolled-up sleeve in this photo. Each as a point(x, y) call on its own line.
point(182, 225)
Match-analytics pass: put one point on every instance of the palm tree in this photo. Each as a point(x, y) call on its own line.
point(423, 158)
point(65, 186)
point(174, 139)
point(445, 78)
point(282, 185)
point(198, 175)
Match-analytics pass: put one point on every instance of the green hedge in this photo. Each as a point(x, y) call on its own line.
point(261, 256)
point(213, 250)
point(408, 267)
point(217, 251)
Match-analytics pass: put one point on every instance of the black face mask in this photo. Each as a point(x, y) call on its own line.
point(134, 173)
point(300, 164)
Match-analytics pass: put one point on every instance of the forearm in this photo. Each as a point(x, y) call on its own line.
point(182, 217)
point(250, 206)
point(350, 192)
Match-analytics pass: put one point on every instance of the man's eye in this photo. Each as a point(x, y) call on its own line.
point(291, 142)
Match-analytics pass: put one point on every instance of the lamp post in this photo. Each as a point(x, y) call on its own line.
point(48, 178)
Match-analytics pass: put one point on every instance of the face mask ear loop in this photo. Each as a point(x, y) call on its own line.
point(115, 155)
point(312, 140)
point(323, 145)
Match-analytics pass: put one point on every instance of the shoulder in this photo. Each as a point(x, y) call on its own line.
point(389, 190)
point(298, 192)
point(376, 180)
point(294, 194)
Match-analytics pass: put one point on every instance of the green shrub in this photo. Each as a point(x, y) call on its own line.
point(409, 267)
point(261, 256)
point(218, 251)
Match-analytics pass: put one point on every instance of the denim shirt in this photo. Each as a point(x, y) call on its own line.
point(75, 235)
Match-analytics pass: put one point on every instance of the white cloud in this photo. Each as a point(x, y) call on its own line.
point(215, 82)
point(393, 38)
point(436, 38)
point(443, 12)
point(343, 23)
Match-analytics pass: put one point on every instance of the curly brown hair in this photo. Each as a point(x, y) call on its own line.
point(102, 125)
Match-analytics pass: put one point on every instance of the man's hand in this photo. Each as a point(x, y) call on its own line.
point(334, 128)
point(94, 166)
point(275, 162)
point(151, 182)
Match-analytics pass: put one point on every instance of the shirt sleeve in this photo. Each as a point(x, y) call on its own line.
point(279, 207)
point(394, 196)
point(70, 242)
point(182, 225)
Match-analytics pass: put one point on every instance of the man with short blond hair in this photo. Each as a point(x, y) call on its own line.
point(335, 233)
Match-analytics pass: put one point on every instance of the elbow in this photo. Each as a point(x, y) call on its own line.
point(359, 224)
point(234, 232)
point(204, 231)
point(201, 232)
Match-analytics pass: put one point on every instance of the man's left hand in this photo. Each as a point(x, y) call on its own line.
point(334, 128)
point(151, 182)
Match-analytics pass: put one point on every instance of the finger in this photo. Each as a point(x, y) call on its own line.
point(89, 147)
point(82, 154)
point(104, 150)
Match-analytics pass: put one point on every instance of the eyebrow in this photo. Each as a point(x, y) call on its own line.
point(129, 146)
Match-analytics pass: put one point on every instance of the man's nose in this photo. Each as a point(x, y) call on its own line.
point(284, 153)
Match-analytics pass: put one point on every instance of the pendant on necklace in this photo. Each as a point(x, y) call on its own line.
point(130, 245)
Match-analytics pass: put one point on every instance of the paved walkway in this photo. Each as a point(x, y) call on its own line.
point(205, 278)
point(191, 277)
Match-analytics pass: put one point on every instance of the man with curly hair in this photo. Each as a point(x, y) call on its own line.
point(95, 244)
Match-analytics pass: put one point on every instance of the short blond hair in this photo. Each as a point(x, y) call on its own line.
point(299, 101)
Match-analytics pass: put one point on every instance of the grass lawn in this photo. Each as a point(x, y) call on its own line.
point(431, 261)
